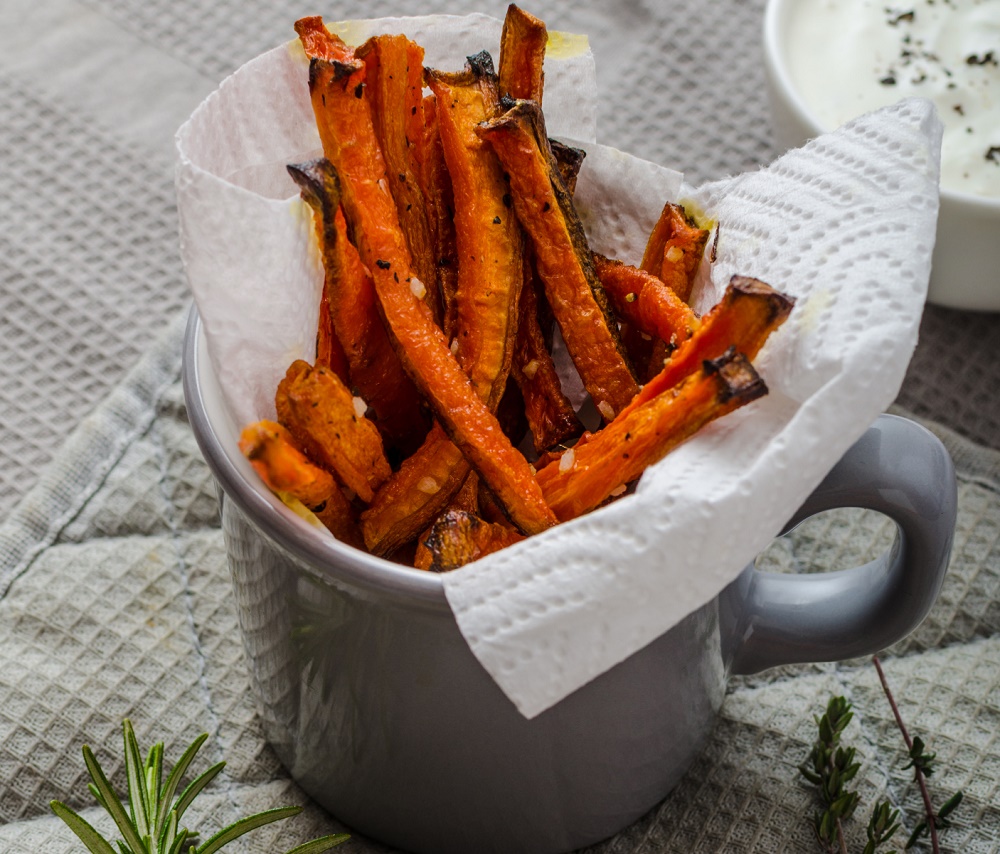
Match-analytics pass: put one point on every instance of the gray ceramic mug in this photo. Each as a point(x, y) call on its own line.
point(371, 697)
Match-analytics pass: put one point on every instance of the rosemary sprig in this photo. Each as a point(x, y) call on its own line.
point(922, 763)
point(151, 824)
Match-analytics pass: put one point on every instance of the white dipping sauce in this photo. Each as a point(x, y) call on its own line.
point(848, 57)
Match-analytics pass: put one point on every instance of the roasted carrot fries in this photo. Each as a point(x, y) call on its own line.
point(452, 248)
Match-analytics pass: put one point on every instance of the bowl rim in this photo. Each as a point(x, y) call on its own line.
point(775, 18)
point(329, 559)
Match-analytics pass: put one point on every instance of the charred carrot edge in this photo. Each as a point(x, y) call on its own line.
point(345, 125)
point(414, 495)
point(551, 417)
point(394, 87)
point(674, 250)
point(622, 450)
point(317, 41)
point(569, 162)
point(321, 414)
point(488, 236)
point(438, 195)
point(373, 366)
point(459, 537)
point(562, 256)
point(749, 311)
point(522, 54)
point(466, 500)
point(643, 301)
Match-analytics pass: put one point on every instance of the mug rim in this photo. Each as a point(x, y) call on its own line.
point(332, 560)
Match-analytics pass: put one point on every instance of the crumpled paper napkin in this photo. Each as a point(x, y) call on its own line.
point(845, 224)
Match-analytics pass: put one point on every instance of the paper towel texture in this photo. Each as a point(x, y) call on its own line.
point(845, 225)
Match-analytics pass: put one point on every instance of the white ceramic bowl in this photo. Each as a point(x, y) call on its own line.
point(966, 265)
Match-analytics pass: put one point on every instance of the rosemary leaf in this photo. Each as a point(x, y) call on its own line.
point(245, 825)
point(95, 843)
point(195, 786)
point(324, 843)
point(109, 800)
point(136, 773)
point(175, 776)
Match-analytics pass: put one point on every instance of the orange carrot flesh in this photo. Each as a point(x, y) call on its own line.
point(749, 311)
point(591, 472)
point(318, 42)
point(562, 256)
point(282, 466)
point(522, 53)
point(439, 197)
point(322, 415)
point(373, 367)
point(674, 250)
point(488, 237)
point(287, 471)
point(414, 495)
point(329, 352)
point(394, 88)
point(551, 417)
point(645, 302)
point(349, 142)
point(484, 304)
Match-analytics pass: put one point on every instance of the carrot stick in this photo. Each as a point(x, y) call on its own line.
point(394, 87)
point(643, 301)
point(522, 53)
point(345, 125)
point(484, 305)
point(551, 417)
point(674, 250)
point(562, 255)
point(436, 183)
point(749, 311)
point(488, 237)
point(287, 471)
point(415, 495)
point(373, 367)
point(318, 42)
point(322, 415)
point(590, 472)
point(459, 537)
point(673, 254)
point(329, 352)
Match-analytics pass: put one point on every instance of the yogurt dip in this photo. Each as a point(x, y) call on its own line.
point(847, 57)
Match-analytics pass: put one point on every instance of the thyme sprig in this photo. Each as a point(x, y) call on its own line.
point(832, 766)
point(922, 763)
point(151, 824)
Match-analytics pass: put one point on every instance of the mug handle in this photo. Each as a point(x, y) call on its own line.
point(897, 468)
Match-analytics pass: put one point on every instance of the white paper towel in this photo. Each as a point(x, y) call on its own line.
point(846, 225)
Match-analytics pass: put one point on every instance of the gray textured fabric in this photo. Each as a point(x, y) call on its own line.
point(114, 594)
point(117, 603)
